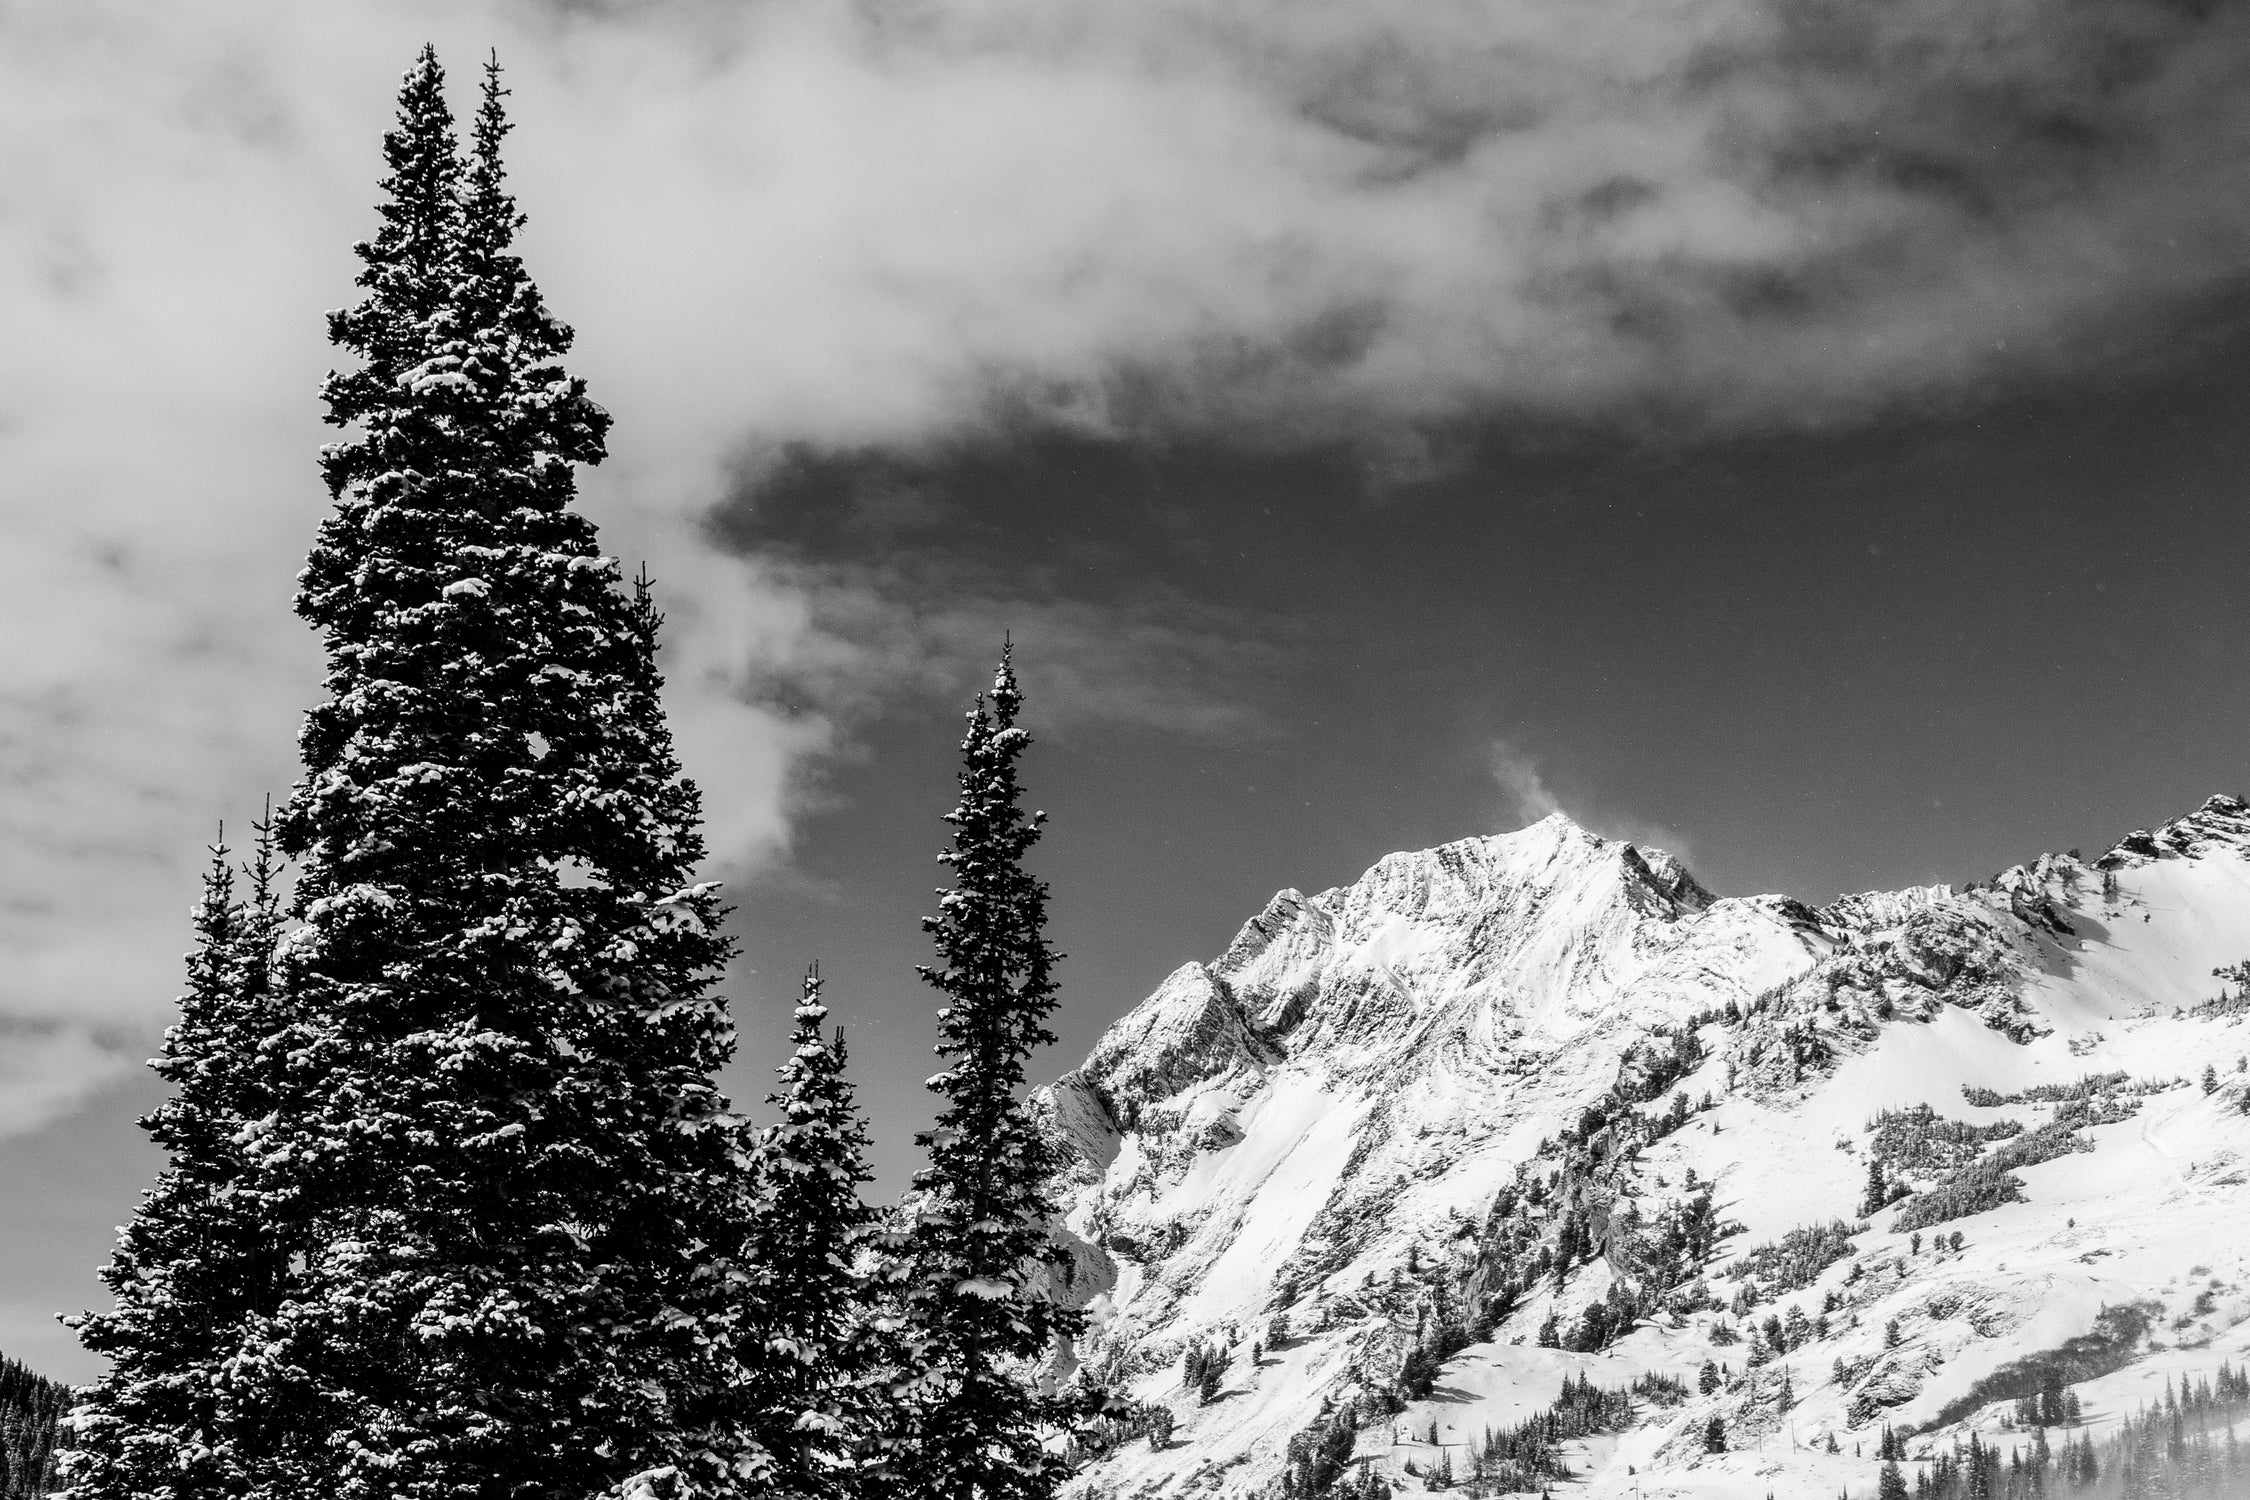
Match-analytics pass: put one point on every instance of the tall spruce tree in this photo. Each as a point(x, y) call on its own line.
point(810, 1398)
point(198, 1264)
point(499, 1193)
point(980, 1318)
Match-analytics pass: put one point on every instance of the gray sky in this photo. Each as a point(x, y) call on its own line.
point(1803, 434)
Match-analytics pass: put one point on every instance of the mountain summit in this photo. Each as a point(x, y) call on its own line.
point(1538, 1114)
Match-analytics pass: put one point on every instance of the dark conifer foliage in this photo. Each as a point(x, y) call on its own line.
point(978, 1317)
point(495, 1182)
point(811, 1398)
point(198, 1265)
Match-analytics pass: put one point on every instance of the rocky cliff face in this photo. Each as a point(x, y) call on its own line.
point(1519, 1108)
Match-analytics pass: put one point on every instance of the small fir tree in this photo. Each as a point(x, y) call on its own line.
point(973, 1406)
point(1871, 1201)
point(809, 1401)
point(1209, 1378)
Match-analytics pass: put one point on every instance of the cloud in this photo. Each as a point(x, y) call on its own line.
point(1278, 219)
point(1525, 798)
point(46, 1070)
point(889, 223)
point(931, 630)
point(1523, 791)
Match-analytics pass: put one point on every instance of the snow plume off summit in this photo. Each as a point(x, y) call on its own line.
point(1735, 1196)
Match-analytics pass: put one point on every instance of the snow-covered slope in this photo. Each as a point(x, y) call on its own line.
point(1370, 1125)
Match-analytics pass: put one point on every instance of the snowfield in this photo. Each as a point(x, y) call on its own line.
point(1385, 1103)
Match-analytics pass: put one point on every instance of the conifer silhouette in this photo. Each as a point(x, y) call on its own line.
point(498, 1194)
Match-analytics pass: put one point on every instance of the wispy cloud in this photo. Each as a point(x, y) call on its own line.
point(1525, 798)
point(932, 630)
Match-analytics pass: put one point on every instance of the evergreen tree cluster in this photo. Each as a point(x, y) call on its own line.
point(1317, 1461)
point(1526, 1456)
point(31, 1407)
point(452, 1205)
point(1651, 1066)
point(1968, 1179)
point(1920, 1140)
point(1573, 1203)
point(1990, 1180)
point(2228, 1002)
point(2056, 1405)
point(2112, 1091)
point(1660, 1260)
point(196, 1256)
point(1796, 1259)
point(1202, 1369)
point(1576, 1201)
point(2182, 1448)
point(1118, 1423)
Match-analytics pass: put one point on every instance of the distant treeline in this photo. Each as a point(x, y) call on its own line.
point(2183, 1448)
point(30, 1406)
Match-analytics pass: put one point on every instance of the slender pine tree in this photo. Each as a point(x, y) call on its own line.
point(973, 1405)
point(197, 1264)
point(811, 1399)
point(497, 1191)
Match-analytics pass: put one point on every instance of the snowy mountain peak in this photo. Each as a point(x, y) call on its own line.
point(1368, 962)
point(1538, 1105)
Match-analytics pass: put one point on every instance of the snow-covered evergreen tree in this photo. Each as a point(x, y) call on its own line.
point(810, 1398)
point(498, 1191)
point(973, 1409)
point(198, 1263)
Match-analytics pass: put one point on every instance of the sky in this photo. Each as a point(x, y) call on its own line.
point(1803, 436)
